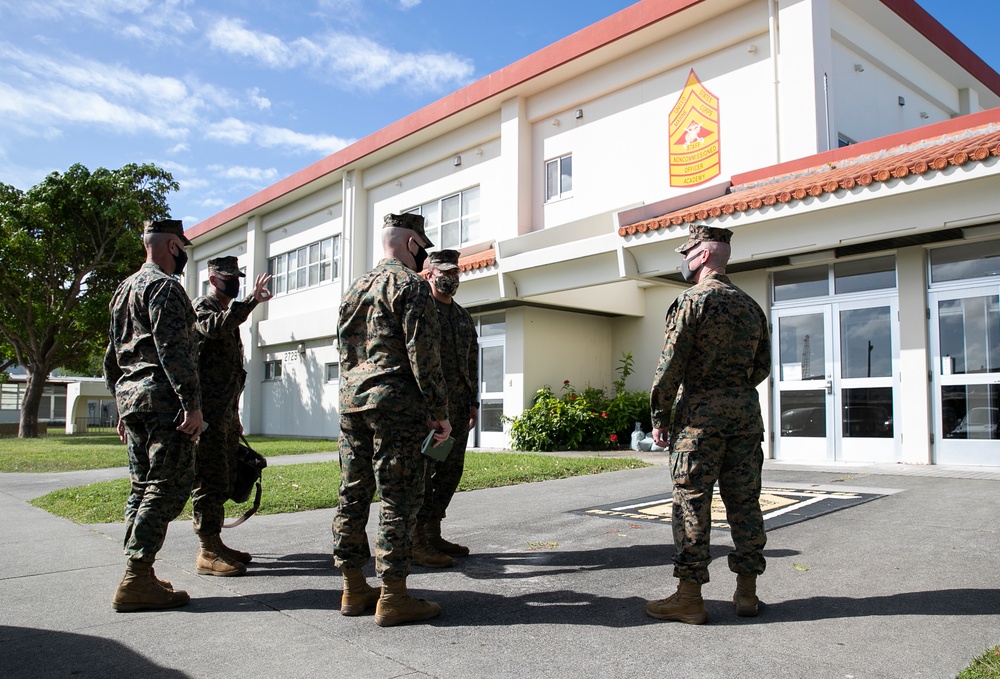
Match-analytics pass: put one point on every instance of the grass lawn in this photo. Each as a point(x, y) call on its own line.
point(302, 487)
point(72, 453)
point(986, 666)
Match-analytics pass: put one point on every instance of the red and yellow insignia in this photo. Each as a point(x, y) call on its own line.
point(694, 136)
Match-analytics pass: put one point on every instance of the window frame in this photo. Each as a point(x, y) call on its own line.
point(467, 222)
point(561, 191)
point(310, 266)
point(272, 370)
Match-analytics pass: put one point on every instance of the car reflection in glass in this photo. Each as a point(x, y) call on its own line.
point(803, 422)
point(978, 423)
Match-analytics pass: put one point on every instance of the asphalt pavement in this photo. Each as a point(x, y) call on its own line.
point(894, 575)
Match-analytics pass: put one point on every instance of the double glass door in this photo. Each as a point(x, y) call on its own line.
point(834, 377)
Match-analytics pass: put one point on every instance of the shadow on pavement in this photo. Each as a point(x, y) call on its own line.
point(37, 653)
point(546, 562)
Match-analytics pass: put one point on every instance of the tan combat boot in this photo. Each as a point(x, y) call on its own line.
point(432, 531)
point(425, 555)
point(685, 605)
point(235, 554)
point(395, 605)
point(745, 597)
point(139, 590)
point(165, 584)
point(358, 595)
point(211, 560)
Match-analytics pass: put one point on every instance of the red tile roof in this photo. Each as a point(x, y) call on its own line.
point(479, 260)
point(876, 161)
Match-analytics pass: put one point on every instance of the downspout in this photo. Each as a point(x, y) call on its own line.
point(826, 106)
point(772, 30)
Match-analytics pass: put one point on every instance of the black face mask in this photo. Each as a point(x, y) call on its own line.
point(180, 259)
point(686, 271)
point(420, 257)
point(230, 287)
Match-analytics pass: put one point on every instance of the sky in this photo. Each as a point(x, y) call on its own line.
point(231, 97)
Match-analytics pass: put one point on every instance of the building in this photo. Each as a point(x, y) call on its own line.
point(78, 404)
point(851, 145)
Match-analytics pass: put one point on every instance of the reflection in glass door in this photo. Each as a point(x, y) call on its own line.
point(966, 353)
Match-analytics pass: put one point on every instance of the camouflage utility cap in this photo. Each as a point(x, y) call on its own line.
point(699, 233)
point(444, 260)
point(173, 226)
point(226, 266)
point(408, 221)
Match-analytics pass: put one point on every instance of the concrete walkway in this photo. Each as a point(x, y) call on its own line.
point(903, 586)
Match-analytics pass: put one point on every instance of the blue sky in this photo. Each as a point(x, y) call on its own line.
point(233, 96)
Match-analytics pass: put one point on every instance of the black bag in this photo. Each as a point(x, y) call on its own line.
point(249, 465)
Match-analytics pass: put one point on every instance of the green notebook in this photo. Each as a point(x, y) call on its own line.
point(441, 451)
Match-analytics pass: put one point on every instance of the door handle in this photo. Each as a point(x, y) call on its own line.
point(829, 386)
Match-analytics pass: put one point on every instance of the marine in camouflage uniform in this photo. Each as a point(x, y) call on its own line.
point(391, 392)
point(150, 367)
point(460, 365)
point(220, 370)
point(716, 351)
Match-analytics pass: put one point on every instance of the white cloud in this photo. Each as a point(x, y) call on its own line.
point(229, 35)
point(256, 175)
point(261, 102)
point(408, 4)
point(238, 132)
point(150, 21)
point(179, 148)
point(353, 60)
point(40, 91)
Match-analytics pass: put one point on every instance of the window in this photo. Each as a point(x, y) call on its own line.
point(966, 261)
point(332, 372)
point(314, 264)
point(452, 221)
point(272, 370)
point(860, 275)
point(10, 395)
point(559, 178)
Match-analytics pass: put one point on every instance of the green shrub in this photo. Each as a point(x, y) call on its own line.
point(582, 420)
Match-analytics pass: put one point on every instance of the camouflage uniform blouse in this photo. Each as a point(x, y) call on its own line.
point(389, 344)
point(220, 353)
point(151, 364)
point(459, 357)
point(716, 345)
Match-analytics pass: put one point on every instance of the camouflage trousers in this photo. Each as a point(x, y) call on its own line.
point(696, 464)
point(214, 473)
point(379, 451)
point(161, 468)
point(441, 477)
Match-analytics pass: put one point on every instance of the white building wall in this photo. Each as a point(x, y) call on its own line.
point(560, 345)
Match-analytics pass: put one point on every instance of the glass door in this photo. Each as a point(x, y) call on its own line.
point(835, 381)
point(965, 351)
point(492, 378)
point(803, 379)
point(864, 381)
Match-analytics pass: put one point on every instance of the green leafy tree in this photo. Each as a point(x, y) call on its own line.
point(65, 245)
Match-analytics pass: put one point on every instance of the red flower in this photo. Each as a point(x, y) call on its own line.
point(604, 415)
point(614, 438)
point(572, 397)
point(565, 381)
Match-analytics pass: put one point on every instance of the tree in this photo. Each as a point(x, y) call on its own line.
point(65, 245)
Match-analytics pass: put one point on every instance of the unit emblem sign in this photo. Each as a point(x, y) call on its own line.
point(695, 155)
point(781, 507)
